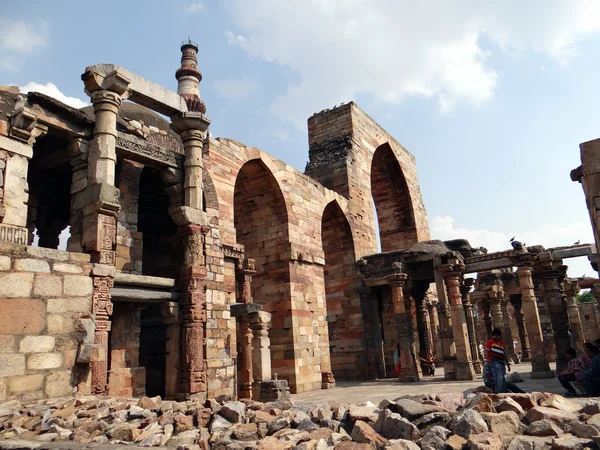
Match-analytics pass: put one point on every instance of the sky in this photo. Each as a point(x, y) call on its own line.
point(493, 98)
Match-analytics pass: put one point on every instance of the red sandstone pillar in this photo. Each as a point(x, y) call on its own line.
point(410, 369)
point(525, 350)
point(464, 363)
point(539, 362)
point(419, 294)
point(468, 307)
point(507, 336)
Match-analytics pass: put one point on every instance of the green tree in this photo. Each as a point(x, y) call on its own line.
point(585, 297)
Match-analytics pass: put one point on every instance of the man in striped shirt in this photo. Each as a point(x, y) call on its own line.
point(497, 360)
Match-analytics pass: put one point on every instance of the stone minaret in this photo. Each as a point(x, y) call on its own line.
point(189, 77)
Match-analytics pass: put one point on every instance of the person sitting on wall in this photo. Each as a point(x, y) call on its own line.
point(591, 376)
point(496, 357)
point(428, 365)
point(488, 380)
point(568, 375)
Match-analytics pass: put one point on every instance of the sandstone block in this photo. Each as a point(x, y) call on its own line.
point(503, 423)
point(485, 441)
point(412, 410)
point(470, 422)
point(77, 286)
point(568, 442)
point(233, 411)
point(7, 344)
point(455, 442)
point(39, 361)
point(72, 304)
point(12, 365)
point(544, 427)
point(4, 262)
point(435, 438)
point(12, 319)
point(556, 415)
point(364, 434)
point(59, 324)
point(508, 404)
point(394, 426)
point(25, 383)
point(16, 284)
point(58, 384)
point(67, 268)
point(36, 344)
point(47, 286)
point(31, 265)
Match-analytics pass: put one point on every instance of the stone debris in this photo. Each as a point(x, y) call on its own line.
point(506, 423)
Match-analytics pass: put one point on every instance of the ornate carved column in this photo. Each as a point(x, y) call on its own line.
point(552, 277)
point(260, 322)
point(468, 307)
point(246, 270)
point(495, 298)
point(487, 317)
point(539, 363)
point(419, 293)
point(525, 350)
point(410, 370)
point(464, 363)
point(170, 314)
point(245, 374)
point(100, 216)
point(571, 290)
point(435, 330)
point(509, 346)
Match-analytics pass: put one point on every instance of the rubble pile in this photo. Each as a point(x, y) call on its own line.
point(534, 421)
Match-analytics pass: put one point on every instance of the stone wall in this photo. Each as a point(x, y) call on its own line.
point(129, 239)
point(590, 320)
point(589, 176)
point(42, 293)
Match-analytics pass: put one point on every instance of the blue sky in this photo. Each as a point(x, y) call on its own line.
point(493, 98)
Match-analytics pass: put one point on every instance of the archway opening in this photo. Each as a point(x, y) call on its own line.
point(344, 316)
point(395, 214)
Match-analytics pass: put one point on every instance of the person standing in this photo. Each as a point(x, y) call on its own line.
point(496, 357)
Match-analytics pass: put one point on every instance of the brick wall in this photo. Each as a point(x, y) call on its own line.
point(590, 320)
point(42, 293)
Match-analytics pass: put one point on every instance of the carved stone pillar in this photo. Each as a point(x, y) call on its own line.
point(487, 317)
point(435, 330)
point(552, 280)
point(100, 219)
point(246, 270)
point(170, 314)
point(539, 363)
point(464, 363)
point(260, 322)
point(495, 298)
point(419, 294)
point(525, 350)
point(245, 372)
point(192, 304)
point(410, 370)
point(509, 346)
point(571, 290)
point(468, 307)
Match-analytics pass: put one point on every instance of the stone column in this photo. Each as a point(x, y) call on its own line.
point(487, 317)
point(259, 323)
point(509, 347)
point(539, 363)
point(170, 314)
point(571, 290)
point(468, 307)
point(246, 269)
point(495, 298)
point(435, 330)
point(410, 370)
point(525, 350)
point(100, 215)
point(446, 331)
point(464, 363)
point(552, 280)
point(419, 294)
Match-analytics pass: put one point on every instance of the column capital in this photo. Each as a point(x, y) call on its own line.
point(397, 279)
point(190, 125)
point(114, 81)
point(247, 266)
point(453, 270)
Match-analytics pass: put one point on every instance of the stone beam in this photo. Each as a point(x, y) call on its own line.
point(572, 252)
point(128, 294)
point(129, 279)
point(489, 265)
point(142, 91)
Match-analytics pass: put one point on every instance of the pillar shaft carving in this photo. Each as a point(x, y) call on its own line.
point(509, 346)
point(525, 350)
point(259, 323)
point(470, 319)
point(246, 270)
point(435, 330)
point(464, 363)
point(539, 362)
point(102, 309)
point(419, 295)
point(170, 315)
point(571, 290)
point(245, 372)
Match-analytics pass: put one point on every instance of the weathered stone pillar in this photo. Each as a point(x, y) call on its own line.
point(525, 350)
point(509, 346)
point(100, 216)
point(487, 317)
point(410, 370)
point(246, 269)
point(419, 294)
point(170, 314)
point(571, 290)
point(552, 279)
point(260, 322)
point(468, 307)
point(435, 330)
point(495, 298)
point(446, 331)
point(464, 363)
point(539, 363)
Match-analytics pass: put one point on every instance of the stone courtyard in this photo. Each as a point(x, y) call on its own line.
point(207, 280)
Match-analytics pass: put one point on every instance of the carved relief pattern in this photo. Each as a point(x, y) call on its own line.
point(150, 150)
point(102, 308)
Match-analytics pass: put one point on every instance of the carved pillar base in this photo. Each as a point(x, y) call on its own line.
point(327, 380)
point(270, 391)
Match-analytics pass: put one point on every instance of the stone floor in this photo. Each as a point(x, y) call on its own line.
point(375, 391)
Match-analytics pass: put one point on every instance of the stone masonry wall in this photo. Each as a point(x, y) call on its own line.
point(42, 293)
point(590, 165)
point(590, 320)
point(129, 239)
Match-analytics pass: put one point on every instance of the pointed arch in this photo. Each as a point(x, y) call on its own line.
point(344, 317)
point(395, 215)
point(210, 200)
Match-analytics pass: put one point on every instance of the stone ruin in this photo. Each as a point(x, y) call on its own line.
point(199, 268)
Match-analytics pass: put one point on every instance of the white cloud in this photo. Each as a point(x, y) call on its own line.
point(548, 235)
point(193, 8)
point(19, 38)
point(236, 88)
point(51, 90)
point(393, 49)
